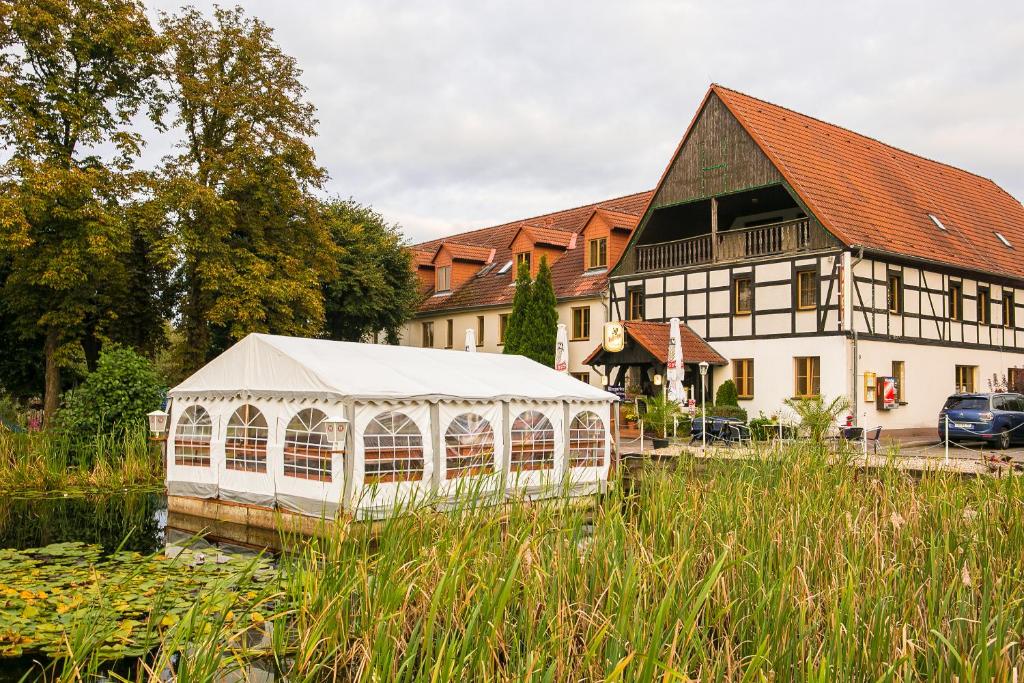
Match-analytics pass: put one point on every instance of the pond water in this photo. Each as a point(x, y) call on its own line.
point(129, 520)
point(112, 528)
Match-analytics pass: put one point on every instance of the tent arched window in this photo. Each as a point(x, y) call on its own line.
point(469, 446)
point(307, 455)
point(586, 440)
point(192, 438)
point(533, 442)
point(245, 448)
point(393, 449)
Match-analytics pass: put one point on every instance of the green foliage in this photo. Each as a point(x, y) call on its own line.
point(766, 569)
point(114, 398)
point(542, 323)
point(816, 416)
point(727, 394)
point(659, 414)
point(375, 288)
point(69, 594)
point(762, 427)
point(249, 235)
point(728, 411)
point(73, 75)
point(517, 329)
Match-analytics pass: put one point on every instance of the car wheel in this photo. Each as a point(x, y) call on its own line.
point(1003, 441)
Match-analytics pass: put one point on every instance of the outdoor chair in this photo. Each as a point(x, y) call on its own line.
point(739, 434)
point(874, 437)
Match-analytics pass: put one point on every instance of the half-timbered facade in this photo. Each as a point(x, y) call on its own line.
point(818, 261)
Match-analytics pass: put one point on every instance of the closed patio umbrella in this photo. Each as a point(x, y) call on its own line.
point(675, 362)
point(562, 349)
point(470, 340)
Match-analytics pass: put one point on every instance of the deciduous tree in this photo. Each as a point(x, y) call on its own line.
point(73, 74)
point(249, 234)
point(375, 290)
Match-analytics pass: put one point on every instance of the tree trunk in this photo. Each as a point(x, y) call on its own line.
point(51, 400)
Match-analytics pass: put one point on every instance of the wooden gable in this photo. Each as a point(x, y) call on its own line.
point(716, 156)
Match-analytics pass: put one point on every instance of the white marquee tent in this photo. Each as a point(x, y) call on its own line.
point(425, 425)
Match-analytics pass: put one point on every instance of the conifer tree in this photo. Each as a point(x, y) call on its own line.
point(542, 326)
point(516, 331)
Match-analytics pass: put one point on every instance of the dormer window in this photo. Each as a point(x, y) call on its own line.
point(597, 253)
point(444, 278)
point(521, 258)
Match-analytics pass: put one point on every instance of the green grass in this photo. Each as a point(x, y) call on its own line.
point(52, 461)
point(758, 570)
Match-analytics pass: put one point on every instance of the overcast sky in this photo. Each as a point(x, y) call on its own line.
point(453, 114)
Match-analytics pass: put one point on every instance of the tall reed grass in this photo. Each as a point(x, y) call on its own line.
point(785, 569)
point(54, 460)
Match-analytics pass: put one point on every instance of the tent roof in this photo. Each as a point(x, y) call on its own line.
point(274, 366)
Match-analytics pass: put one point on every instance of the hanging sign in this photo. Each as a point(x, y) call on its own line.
point(614, 337)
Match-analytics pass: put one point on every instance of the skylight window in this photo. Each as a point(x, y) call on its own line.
point(1004, 240)
point(504, 268)
point(937, 222)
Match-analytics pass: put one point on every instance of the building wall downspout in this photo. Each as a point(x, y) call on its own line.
point(855, 372)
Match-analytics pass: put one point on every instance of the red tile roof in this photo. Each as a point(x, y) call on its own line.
point(423, 257)
point(654, 338)
point(468, 252)
point(566, 239)
point(870, 194)
point(490, 287)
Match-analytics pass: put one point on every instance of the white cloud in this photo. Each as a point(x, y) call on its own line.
point(450, 115)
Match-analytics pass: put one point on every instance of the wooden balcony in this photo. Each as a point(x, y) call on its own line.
point(787, 237)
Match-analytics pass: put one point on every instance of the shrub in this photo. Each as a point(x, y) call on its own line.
point(761, 427)
point(727, 394)
point(116, 397)
point(728, 411)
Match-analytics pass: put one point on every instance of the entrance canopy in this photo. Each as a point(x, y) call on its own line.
point(647, 344)
point(263, 365)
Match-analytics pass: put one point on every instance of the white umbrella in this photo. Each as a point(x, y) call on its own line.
point(676, 371)
point(470, 340)
point(562, 349)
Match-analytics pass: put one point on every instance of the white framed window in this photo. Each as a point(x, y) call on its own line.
point(586, 440)
point(307, 454)
point(469, 446)
point(245, 448)
point(393, 449)
point(192, 438)
point(533, 442)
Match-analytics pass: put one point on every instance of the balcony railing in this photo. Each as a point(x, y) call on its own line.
point(734, 245)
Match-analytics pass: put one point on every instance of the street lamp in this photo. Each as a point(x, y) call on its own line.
point(703, 406)
point(657, 380)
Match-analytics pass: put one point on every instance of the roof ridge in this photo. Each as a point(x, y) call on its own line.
point(718, 86)
point(532, 218)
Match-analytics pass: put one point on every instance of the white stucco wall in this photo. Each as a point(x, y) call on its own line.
point(930, 378)
point(774, 368)
point(578, 350)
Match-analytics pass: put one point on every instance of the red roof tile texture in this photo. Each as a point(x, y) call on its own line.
point(469, 252)
point(489, 287)
point(870, 194)
point(548, 236)
point(654, 338)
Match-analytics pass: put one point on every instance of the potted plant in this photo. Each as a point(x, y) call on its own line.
point(630, 417)
point(659, 416)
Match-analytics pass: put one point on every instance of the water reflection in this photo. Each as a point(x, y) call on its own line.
point(131, 520)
